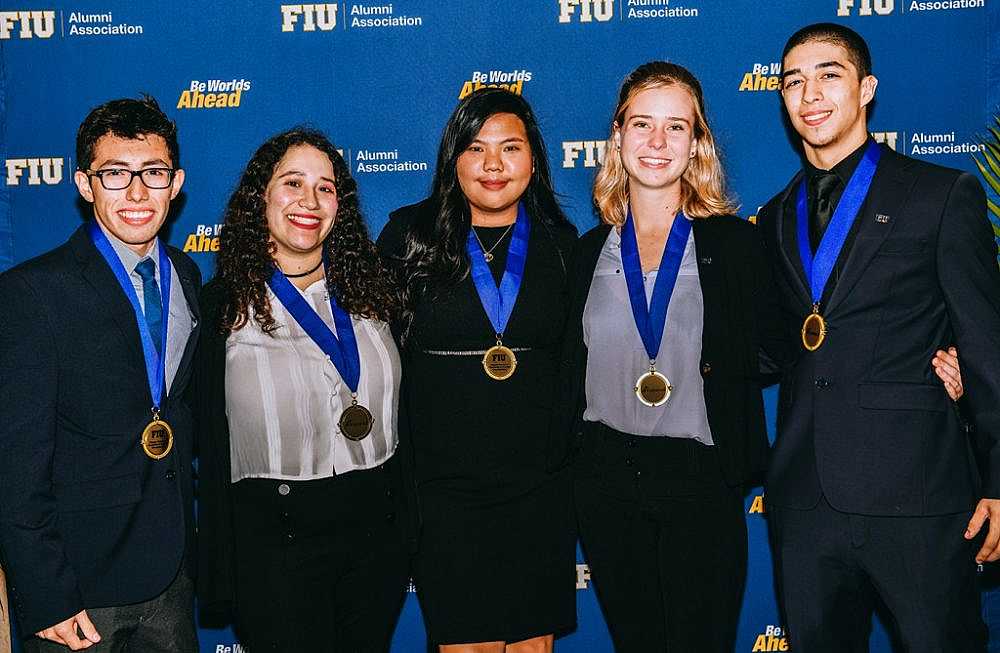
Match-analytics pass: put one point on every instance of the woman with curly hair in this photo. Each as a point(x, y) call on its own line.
point(483, 263)
point(301, 544)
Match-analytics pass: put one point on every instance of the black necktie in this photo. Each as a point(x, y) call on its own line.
point(823, 185)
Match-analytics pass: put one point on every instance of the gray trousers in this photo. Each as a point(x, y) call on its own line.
point(164, 624)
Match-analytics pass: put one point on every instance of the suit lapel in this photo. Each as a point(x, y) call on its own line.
point(788, 245)
point(98, 274)
point(879, 215)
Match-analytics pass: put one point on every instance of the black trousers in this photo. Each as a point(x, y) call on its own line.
point(665, 539)
point(320, 565)
point(164, 624)
point(832, 567)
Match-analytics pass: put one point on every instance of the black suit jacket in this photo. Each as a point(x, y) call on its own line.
point(864, 421)
point(86, 518)
point(735, 286)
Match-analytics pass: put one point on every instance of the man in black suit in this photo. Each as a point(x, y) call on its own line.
point(873, 490)
point(96, 340)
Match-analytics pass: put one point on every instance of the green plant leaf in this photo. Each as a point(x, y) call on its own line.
point(992, 160)
point(990, 179)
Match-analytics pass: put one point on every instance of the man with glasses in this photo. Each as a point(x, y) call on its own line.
point(96, 340)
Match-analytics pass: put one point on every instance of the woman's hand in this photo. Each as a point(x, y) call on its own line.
point(946, 367)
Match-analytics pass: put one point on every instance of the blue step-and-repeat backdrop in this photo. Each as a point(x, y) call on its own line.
point(381, 79)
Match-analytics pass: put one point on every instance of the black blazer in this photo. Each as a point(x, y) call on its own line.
point(735, 285)
point(864, 421)
point(86, 519)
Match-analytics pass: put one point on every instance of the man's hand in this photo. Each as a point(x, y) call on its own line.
point(987, 509)
point(66, 632)
point(946, 367)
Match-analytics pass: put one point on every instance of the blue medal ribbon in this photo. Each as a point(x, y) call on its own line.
point(155, 364)
point(342, 351)
point(650, 320)
point(819, 267)
point(499, 302)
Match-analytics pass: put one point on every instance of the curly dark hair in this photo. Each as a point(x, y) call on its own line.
point(435, 255)
point(355, 272)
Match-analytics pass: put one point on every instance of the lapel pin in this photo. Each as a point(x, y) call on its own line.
point(881, 218)
point(706, 260)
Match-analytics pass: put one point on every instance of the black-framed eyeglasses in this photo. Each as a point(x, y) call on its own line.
point(121, 178)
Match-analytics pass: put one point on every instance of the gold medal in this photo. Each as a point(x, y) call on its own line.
point(652, 388)
point(499, 362)
point(157, 438)
point(356, 422)
point(813, 330)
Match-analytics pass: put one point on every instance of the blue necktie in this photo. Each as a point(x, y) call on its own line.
point(153, 305)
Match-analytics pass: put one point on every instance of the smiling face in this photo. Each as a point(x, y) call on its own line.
point(826, 101)
point(495, 169)
point(301, 202)
point(134, 214)
point(656, 137)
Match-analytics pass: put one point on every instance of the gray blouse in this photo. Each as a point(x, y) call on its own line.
point(284, 398)
point(616, 356)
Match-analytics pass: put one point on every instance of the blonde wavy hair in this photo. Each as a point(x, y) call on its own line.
point(703, 186)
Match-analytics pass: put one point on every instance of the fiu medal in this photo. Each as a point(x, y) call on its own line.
point(813, 330)
point(819, 265)
point(157, 438)
point(499, 361)
point(341, 349)
point(356, 421)
point(652, 388)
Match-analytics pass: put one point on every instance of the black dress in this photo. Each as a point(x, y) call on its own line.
point(496, 556)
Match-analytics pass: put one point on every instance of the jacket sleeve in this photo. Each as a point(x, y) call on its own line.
point(42, 585)
point(970, 281)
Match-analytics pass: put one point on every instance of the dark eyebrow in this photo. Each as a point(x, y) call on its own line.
point(825, 64)
point(512, 139)
point(125, 164)
point(299, 172)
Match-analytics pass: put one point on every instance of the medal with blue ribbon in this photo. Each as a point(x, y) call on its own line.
point(653, 388)
point(499, 361)
point(819, 267)
point(157, 438)
point(356, 421)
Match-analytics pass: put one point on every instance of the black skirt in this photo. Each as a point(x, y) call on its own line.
point(497, 570)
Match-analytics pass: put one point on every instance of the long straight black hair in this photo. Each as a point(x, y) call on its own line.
point(435, 255)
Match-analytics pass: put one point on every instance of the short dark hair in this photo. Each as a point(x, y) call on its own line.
point(125, 118)
point(857, 50)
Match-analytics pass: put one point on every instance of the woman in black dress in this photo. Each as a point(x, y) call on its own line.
point(495, 566)
point(301, 541)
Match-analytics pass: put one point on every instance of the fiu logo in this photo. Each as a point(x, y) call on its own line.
point(31, 24)
point(322, 16)
point(865, 7)
point(40, 171)
point(762, 77)
point(592, 151)
point(512, 80)
point(757, 505)
point(889, 138)
point(589, 10)
point(582, 577)
point(772, 639)
point(213, 94)
point(204, 239)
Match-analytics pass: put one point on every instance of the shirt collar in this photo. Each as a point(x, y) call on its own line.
point(845, 168)
point(128, 257)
